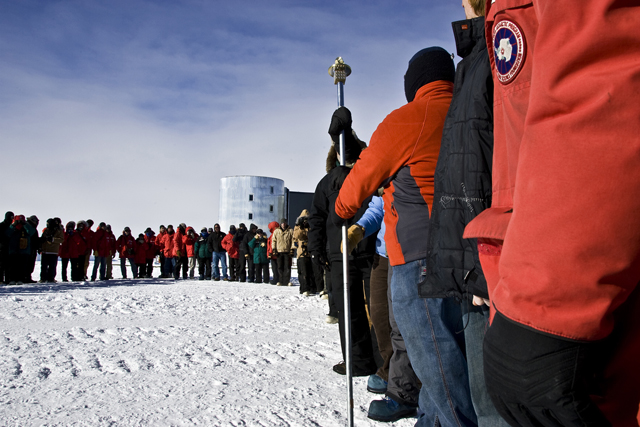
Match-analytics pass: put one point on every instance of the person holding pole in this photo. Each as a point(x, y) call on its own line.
point(402, 157)
point(322, 232)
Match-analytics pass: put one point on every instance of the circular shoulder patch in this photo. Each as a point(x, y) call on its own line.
point(509, 50)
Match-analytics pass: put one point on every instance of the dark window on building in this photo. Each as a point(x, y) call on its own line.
point(272, 189)
point(251, 197)
point(270, 208)
point(250, 216)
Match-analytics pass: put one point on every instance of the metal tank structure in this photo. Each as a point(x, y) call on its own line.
point(251, 199)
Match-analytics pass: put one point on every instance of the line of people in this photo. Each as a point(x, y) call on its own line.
point(242, 254)
point(507, 301)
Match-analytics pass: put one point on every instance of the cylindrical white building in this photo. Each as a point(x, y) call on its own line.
point(251, 199)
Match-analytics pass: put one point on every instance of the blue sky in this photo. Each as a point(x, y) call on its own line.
point(130, 112)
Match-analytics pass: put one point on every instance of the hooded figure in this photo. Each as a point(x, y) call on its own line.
point(232, 248)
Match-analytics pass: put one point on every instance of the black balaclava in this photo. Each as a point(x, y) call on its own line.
point(426, 66)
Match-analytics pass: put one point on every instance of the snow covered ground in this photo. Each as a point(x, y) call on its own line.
point(164, 353)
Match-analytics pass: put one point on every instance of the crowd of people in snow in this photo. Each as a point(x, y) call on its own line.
point(491, 242)
point(243, 254)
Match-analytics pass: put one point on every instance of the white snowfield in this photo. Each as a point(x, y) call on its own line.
point(158, 352)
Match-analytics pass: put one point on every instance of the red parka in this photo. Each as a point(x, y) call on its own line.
point(126, 246)
point(140, 256)
point(77, 245)
point(560, 246)
point(152, 249)
point(101, 243)
point(178, 244)
point(168, 244)
point(230, 246)
point(190, 241)
point(111, 244)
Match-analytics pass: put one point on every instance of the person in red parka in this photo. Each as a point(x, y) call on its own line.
point(180, 252)
point(100, 251)
point(167, 249)
point(189, 246)
point(126, 246)
point(560, 245)
point(111, 245)
point(88, 234)
point(64, 248)
point(152, 250)
point(273, 258)
point(140, 256)
point(160, 251)
point(77, 251)
point(232, 249)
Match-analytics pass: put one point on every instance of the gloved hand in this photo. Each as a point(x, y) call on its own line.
point(537, 379)
point(340, 121)
point(355, 234)
point(321, 260)
point(336, 219)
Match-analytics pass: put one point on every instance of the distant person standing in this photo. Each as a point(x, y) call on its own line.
point(260, 261)
point(100, 252)
point(126, 245)
point(273, 258)
point(64, 252)
point(229, 244)
point(4, 244)
point(300, 243)
point(111, 239)
point(204, 255)
point(219, 255)
point(78, 251)
point(19, 249)
point(52, 238)
point(35, 248)
point(282, 245)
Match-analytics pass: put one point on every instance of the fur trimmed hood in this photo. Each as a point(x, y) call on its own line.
point(332, 156)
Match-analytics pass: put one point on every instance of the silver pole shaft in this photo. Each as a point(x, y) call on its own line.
point(345, 276)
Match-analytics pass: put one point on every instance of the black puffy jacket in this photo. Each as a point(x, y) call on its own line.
point(463, 172)
point(322, 231)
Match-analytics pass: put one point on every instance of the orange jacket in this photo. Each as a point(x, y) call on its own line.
point(404, 148)
point(562, 246)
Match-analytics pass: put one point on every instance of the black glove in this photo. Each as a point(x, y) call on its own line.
point(336, 219)
point(536, 379)
point(321, 260)
point(340, 121)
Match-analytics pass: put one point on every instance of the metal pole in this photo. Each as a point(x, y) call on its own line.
point(339, 71)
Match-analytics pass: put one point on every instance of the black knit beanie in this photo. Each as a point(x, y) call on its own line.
point(426, 66)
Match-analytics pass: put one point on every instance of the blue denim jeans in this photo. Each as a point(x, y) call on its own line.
point(222, 256)
point(476, 320)
point(99, 262)
point(123, 267)
point(432, 331)
point(169, 266)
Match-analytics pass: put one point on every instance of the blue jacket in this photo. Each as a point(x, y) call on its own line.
point(372, 221)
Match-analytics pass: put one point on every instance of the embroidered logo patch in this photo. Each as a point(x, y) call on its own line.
point(509, 49)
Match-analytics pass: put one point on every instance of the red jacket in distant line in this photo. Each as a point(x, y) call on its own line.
point(126, 246)
point(230, 246)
